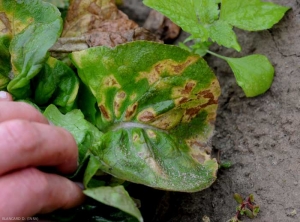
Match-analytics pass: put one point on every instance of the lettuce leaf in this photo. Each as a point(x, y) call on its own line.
point(158, 106)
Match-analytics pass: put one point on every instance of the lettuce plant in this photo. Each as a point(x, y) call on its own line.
point(141, 112)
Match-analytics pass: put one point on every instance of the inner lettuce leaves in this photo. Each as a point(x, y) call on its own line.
point(28, 30)
point(84, 132)
point(57, 84)
point(158, 106)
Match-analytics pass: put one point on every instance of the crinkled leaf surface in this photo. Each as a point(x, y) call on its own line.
point(33, 27)
point(116, 197)
point(251, 15)
point(56, 83)
point(158, 106)
point(253, 73)
point(84, 133)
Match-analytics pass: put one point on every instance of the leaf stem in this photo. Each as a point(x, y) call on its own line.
point(217, 55)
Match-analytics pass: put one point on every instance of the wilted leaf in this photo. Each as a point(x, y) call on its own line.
point(161, 25)
point(101, 23)
point(116, 197)
point(32, 31)
point(158, 106)
point(56, 82)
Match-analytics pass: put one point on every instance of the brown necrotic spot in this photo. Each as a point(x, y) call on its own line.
point(167, 67)
point(131, 111)
point(110, 81)
point(188, 87)
point(4, 24)
point(146, 116)
point(119, 99)
point(104, 112)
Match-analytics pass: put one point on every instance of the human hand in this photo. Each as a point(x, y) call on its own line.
point(27, 141)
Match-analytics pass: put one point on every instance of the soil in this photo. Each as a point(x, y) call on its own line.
point(260, 135)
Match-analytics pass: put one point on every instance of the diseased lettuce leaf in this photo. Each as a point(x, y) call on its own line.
point(30, 32)
point(158, 106)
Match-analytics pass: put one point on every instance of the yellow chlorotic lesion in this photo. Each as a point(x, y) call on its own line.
point(168, 66)
point(118, 100)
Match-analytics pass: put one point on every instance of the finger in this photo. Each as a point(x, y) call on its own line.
point(24, 144)
point(20, 110)
point(5, 96)
point(29, 191)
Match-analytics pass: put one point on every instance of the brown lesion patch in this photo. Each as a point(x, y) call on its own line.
point(168, 66)
point(168, 120)
point(200, 151)
point(146, 115)
point(151, 133)
point(110, 81)
point(181, 100)
point(104, 111)
point(184, 91)
point(4, 23)
point(189, 86)
point(119, 99)
point(131, 110)
point(135, 137)
point(209, 98)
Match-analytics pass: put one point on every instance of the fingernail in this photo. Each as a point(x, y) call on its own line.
point(3, 95)
point(81, 186)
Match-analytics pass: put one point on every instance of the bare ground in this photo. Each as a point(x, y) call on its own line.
point(259, 135)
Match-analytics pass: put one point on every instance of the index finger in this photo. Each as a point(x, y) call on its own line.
point(25, 144)
point(20, 110)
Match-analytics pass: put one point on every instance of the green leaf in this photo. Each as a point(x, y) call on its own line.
point(251, 198)
point(62, 5)
point(251, 15)
point(84, 133)
point(207, 10)
point(186, 15)
point(158, 106)
point(5, 66)
point(116, 197)
point(33, 31)
point(58, 83)
point(253, 73)
point(222, 33)
point(249, 213)
point(59, 3)
point(87, 103)
point(256, 210)
point(238, 198)
point(91, 169)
